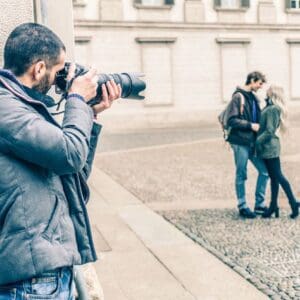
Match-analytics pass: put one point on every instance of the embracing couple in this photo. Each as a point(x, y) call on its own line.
point(254, 136)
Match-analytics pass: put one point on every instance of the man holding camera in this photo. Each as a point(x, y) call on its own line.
point(44, 226)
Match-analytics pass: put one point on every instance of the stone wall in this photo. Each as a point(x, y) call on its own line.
point(12, 13)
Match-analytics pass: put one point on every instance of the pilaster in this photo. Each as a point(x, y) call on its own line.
point(266, 12)
point(111, 10)
point(194, 11)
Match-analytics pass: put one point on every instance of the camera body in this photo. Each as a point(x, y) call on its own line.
point(131, 83)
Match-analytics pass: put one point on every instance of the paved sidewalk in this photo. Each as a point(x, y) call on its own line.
point(144, 257)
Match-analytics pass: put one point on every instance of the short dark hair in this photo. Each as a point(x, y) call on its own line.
point(29, 43)
point(255, 76)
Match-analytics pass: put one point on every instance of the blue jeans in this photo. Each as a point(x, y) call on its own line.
point(241, 156)
point(57, 285)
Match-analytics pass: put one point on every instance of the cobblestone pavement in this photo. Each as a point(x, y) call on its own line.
point(155, 136)
point(200, 171)
point(189, 171)
point(265, 252)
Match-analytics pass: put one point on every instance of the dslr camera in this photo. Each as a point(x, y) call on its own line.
point(131, 83)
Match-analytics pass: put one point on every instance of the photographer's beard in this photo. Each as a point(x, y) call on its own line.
point(44, 85)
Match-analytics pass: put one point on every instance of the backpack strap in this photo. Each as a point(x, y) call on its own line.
point(242, 103)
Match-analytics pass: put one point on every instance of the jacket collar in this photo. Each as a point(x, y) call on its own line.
point(11, 83)
point(47, 100)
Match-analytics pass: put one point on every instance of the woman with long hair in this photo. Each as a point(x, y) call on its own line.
point(273, 121)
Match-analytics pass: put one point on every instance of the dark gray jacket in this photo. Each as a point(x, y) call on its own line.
point(43, 191)
point(267, 142)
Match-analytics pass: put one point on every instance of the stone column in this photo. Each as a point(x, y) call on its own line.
point(266, 12)
point(111, 10)
point(78, 9)
point(58, 15)
point(194, 11)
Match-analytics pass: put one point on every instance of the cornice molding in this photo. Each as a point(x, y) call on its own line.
point(79, 3)
point(82, 39)
point(186, 26)
point(233, 40)
point(293, 40)
point(224, 9)
point(152, 40)
point(292, 11)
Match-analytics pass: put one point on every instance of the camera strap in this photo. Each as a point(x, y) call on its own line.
point(63, 96)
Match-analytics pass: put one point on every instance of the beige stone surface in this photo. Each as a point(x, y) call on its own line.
point(266, 12)
point(111, 10)
point(13, 13)
point(194, 11)
point(149, 258)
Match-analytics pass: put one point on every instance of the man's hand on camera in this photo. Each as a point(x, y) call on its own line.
point(85, 85)
point(110, 92)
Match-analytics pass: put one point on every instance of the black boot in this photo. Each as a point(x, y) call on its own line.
point(270, 211)
point(247, 213)
point(295, 209)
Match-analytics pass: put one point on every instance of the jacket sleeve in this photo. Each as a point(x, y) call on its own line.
point(234, 116)
point(272, 123)
point(27, 135)
point(86, 171)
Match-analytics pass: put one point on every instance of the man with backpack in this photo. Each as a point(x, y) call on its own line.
point(243, 114)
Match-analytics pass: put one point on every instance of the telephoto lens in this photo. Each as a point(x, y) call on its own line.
point(131, 83)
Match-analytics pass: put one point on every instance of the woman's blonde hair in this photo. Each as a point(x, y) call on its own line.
point(276, 95)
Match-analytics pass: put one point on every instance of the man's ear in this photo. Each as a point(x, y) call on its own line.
point(38, 70)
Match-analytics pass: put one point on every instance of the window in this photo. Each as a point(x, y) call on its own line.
point(294, 66)
point(232, 4)
point(155, 2)
point(294, 4)
point(157, 63)
point(233, 63)
point(152, 2)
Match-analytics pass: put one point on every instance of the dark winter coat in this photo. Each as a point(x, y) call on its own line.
point(241, 132)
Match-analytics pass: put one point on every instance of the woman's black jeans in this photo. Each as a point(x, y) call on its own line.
point(277, 178)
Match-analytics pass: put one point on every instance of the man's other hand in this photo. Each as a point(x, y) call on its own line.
point(110, 92)
point(255, 126)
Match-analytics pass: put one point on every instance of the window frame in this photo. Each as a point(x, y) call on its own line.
point(289, 5)
point(166, 2)
point(152, 4)
point(289, 9)
point(243, 5)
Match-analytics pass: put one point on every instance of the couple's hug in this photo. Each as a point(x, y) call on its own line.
point(254, 135)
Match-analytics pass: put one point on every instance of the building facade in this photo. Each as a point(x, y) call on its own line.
point(193, 52)
point(56, 14)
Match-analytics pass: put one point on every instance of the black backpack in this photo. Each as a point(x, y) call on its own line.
point(223, 117)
